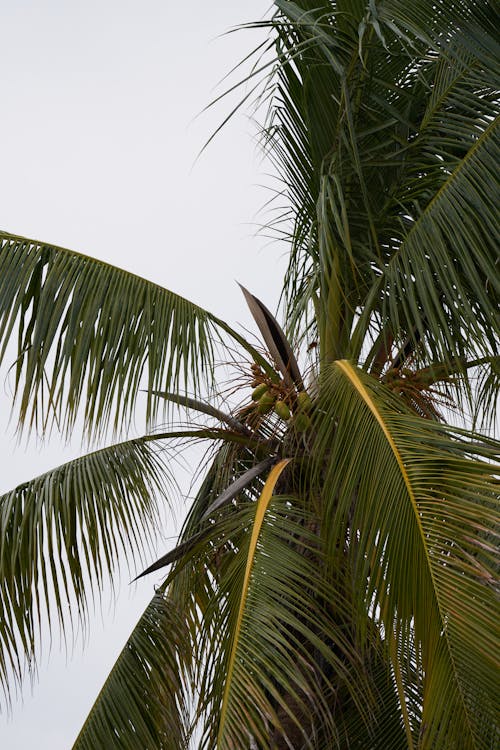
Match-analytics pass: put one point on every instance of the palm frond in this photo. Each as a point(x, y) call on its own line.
point(203, 407)
point(281, 662)
point(383, 130)
point(277, 655)
point(62, 533)
point(151, 697)
point(143, 703)
point(415, 506)
point(260, 510)
point(188, 544)
point(450, 253)
point(87, 333)
point(275, 340)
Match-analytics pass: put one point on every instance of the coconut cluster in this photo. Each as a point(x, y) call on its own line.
point(268, 396)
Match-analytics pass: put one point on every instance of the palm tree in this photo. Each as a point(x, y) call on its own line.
point(335, 581)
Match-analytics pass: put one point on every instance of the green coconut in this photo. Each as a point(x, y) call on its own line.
point(259, 392)
point(304, 401)
point(282, 410)
point(265, 402)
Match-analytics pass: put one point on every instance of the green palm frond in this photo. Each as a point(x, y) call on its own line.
point(448, 254)
point(155, 694)
point(142, 704)
point(87, 333)
point(62, 533)
point(260, 511)
point(415, 506)
point(202, 407)
point(383, 144)
point(282, 662)
point(276, 651)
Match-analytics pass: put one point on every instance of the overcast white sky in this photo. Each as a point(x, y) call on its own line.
point(98, 146)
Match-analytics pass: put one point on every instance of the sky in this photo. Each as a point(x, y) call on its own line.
point(102, 122)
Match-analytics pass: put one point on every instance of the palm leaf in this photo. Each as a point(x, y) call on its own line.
point(278, 654)
point(62, 533)
point(383, 148)
point(281, 658)
point(226, 497)
point(449, 251)
point(420, 516)
point(150, 698)
point(275, 340)
point(260, 510)
point(203, 407)
point(88, 332)
point(238, 485)
point(142, 705)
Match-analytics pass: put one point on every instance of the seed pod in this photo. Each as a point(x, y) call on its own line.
point(301, 422)
point(304, 401)
point(259, 392)
point(265, 403)
point(282, 410)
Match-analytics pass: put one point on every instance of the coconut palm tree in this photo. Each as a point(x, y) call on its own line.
point(335, 581)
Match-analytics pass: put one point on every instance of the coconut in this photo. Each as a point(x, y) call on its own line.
point(282, 410)
point(304, 401)
point(266, 402)
point(259, 392)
